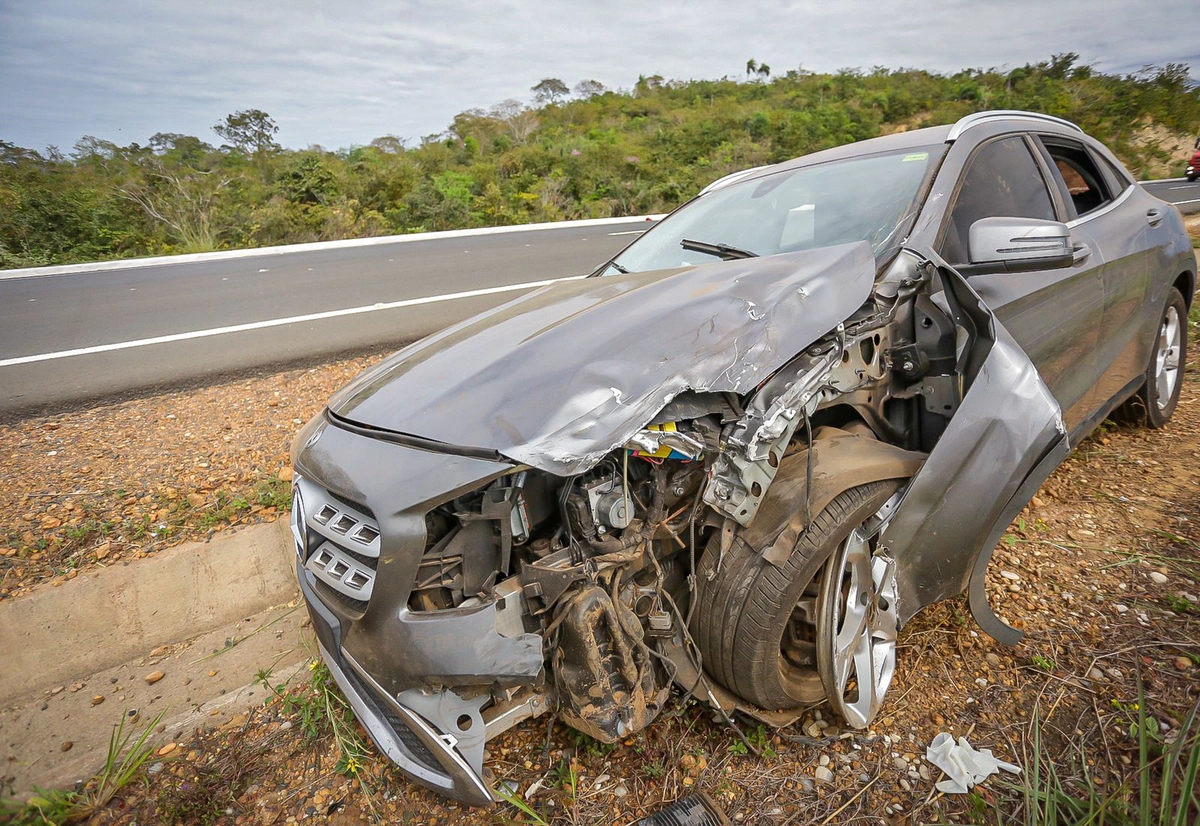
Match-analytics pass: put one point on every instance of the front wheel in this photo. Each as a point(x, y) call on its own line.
point(857, 622)
point(766, 631)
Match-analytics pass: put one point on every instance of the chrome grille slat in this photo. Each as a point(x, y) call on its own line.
point(341, 546)
point(340, 572)
point(347, 527)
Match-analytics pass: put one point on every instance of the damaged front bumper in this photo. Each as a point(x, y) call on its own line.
point(446, 762)
point(430, 687)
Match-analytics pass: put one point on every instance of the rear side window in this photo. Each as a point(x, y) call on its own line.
point(1086, 187)
point(1002, 180)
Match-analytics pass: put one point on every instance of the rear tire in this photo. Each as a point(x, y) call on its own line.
point(1156, 400)
point(745, 606)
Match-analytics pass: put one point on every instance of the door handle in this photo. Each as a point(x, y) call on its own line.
point(1080, 253)
point(1154, 216)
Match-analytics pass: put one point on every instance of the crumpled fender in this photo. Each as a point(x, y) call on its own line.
point(841, 460)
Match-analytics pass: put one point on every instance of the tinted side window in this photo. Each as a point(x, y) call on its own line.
point(1084, 182)
point(1002, 180)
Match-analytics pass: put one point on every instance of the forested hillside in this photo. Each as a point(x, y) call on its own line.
point(591, 153)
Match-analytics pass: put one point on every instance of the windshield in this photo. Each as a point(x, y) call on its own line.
point(870, 198)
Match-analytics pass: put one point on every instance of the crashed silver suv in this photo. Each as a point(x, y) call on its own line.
point(744, 453)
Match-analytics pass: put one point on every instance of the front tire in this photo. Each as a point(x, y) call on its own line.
point(747, 605)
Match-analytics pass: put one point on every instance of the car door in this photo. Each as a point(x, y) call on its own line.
point(1116, 224)
point(1055, 315)
point(1005, 438)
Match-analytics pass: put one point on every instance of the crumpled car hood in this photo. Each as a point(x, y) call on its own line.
point(561, 376)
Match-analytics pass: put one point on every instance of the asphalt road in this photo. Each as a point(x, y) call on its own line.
point(270, 300)
point(114, 330)
point(1176, 191)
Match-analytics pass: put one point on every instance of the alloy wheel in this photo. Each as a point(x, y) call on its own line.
point(1166, 360)
point(857, 622)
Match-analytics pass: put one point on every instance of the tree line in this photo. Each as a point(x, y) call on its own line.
point(586, 152)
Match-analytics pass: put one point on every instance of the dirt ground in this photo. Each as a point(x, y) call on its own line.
point(1101, 571)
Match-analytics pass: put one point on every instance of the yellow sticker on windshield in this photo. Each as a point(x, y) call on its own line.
point(915, 156)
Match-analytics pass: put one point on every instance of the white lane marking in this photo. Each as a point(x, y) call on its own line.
point(629, 232)
point(1193, 201)
point(191, 258)
point(1185, 186)
point(280, 322)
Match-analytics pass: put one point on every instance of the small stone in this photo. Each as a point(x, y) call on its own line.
point(904, 784)
point(285, 725)
point(813, 730)
point(1183, 663)
point(155, 768)
point(153, 677)
point(1037, 502)
point(167, 749)
point(993, 659)
point(900, 763)
point(1009, 575)
point(98, 699)
point(1095, 674)
point(1120, 609)
point(620, 791)
point(1158, 578)
point(66, 746)
point(923, 772)
point(823, 760)
point(823, 775)
point(58, 689)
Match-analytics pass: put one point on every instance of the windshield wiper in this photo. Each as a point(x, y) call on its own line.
point(722, 251)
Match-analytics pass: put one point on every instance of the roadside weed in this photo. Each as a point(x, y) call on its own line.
point(1162, 790)
point(54, 807)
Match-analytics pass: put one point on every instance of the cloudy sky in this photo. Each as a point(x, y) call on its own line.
point(342, 73)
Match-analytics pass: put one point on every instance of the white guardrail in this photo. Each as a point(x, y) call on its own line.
point(192, 258)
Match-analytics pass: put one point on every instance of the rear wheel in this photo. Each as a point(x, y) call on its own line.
point(1155, 402)
point(760, 627)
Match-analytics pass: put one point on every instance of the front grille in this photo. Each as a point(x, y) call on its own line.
point(340, 545)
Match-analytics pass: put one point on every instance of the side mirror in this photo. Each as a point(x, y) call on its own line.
point(1017, 245)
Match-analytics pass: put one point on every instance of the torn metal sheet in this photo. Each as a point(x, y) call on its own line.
point(1007, 421)
point(500, 381)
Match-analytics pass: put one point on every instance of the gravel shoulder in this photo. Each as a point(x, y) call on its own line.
point(120, 482)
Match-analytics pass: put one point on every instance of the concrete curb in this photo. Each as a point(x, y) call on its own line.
point(105, 617)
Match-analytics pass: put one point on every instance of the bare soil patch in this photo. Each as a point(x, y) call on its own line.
point(119, 482)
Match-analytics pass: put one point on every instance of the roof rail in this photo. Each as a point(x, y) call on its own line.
point(1002, 114)
point(730, 178)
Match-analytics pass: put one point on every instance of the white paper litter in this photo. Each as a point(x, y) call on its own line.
point(963, 765)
